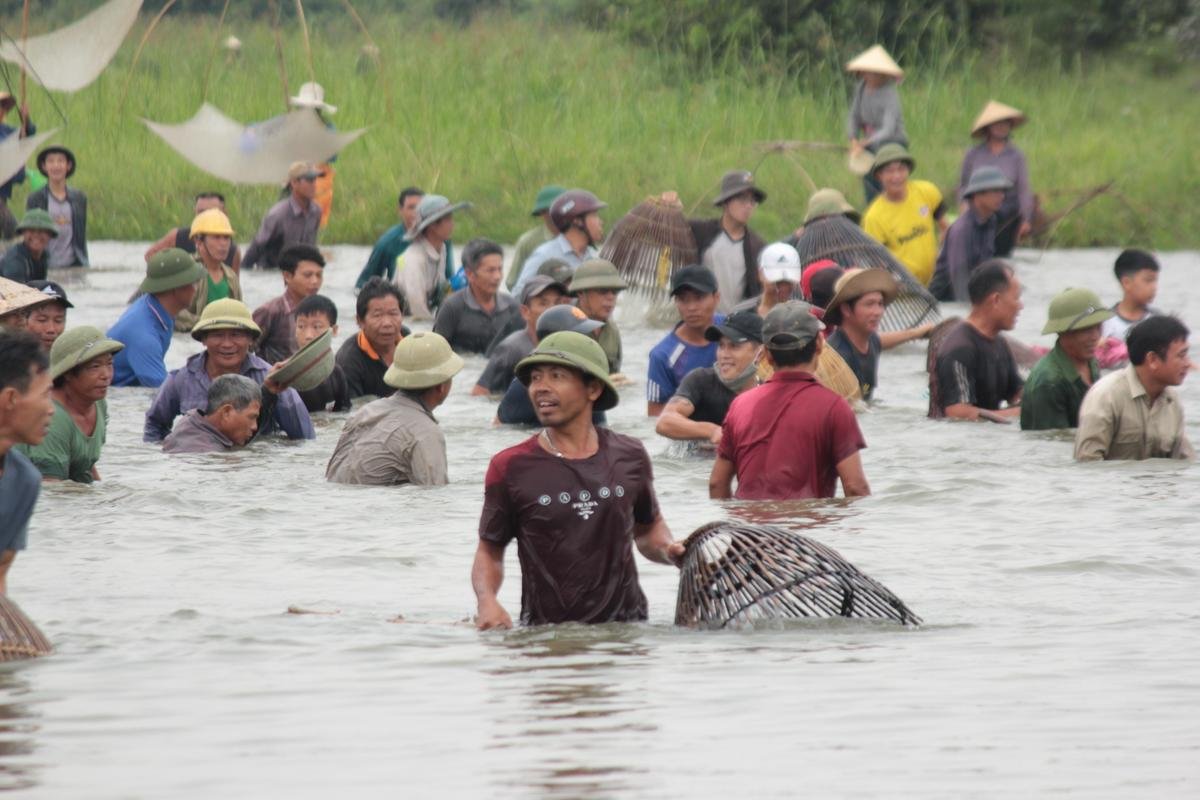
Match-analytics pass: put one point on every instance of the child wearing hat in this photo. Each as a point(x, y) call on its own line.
point(875, 117)
point(66, 206)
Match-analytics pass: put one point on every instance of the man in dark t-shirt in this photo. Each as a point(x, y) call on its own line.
point(973, 371)
point(698, 408)
point(575, 497)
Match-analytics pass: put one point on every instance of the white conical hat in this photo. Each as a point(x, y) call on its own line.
point(996, 112)
point(875, 59)
point(312, 95)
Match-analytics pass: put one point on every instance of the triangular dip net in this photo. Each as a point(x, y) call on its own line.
point(254, 154)
point(68, 59)
point(14, 152)
point(839, 239)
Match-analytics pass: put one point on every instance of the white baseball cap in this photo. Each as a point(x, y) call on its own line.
point(780, 262)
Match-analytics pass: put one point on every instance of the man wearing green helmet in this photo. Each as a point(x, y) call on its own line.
point(571, 495)
point(27, 259)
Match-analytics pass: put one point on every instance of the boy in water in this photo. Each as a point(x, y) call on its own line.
point(315, 315)
point(1137, 272)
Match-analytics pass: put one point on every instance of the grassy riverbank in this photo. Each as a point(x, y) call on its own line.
point(490, 112)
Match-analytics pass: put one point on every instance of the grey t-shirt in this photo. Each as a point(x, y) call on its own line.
point(727, 260)
point(19, 488)
point(710, 398)
point(60, 251)
point(498, 373)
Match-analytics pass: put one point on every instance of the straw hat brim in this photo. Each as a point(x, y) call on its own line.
point(995, 112)
point(876, 60)
point(869, 280)
point(70, 361)
point(306, 102)
point(859, 161)
point(310, 365)
point(16, 296)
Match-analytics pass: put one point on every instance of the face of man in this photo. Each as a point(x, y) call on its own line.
point(1007, 305)
point(894, 178)
point(91, 379)
point(184, 295)
point(56, 165)
point(304, 188)
point(408, 211)
point(305, 281)
point(863, 315)
point(732, 359)
point(227, 349)
point(539, 303)
point(598, 304)
point(383, 321)
point(594, 226)
point(443, 229)
point(216, 245)
point(560, 394)
point(695, 308)
point(1141, 286)
point(310, 326)
point(741, 207)
point(488, 273)
point(47, 322)
point(1080, 345)
point(1170, 371)
point(36, 241)
point(28, 413)
point(785, 291)
point(987, 203)
point(238, 426)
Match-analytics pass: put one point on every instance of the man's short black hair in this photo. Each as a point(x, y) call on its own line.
point(209, 196)
point(476, 249)
point(1133, 261)
point(293, 254)
point(1154, 335)
point(374, 289)
point(792, 358)
point(409, 191)
point(991, 276)
point(318, 304)
point(20, 350)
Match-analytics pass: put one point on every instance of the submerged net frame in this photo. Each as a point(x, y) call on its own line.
point(19, 637)
point(649, 244)
point(841, 240)
point(735, 574)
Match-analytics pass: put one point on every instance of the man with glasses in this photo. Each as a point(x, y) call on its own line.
point(726, 245)
point(293, 220)
point(1058, 382)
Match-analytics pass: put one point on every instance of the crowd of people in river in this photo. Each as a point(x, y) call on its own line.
point(748, 371)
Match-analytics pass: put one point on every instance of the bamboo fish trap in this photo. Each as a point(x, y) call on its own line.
point(736, 574)
point(649, 244)
point(19, 637)
point(840, 240)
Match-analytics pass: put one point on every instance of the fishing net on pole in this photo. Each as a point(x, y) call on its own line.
point(19, 637)
point(839, 239)
point(15, 151)
point(649, 244)
point(735, 574)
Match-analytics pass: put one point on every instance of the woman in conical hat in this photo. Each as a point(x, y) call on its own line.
point(875, 117)
point(994, 127)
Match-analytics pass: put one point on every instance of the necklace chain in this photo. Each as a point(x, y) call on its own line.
point(553, 447)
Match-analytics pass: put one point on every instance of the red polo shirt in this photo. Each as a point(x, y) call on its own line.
point(786, 438)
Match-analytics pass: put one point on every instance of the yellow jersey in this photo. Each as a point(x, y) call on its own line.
point(908, 228)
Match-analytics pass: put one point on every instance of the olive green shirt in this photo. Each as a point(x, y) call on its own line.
point(1054, 392)
point(530, 240)
point(1118, 421)
point(609, 338)
point(66, 454)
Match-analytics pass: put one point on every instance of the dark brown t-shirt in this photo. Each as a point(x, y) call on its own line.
point(573, 520)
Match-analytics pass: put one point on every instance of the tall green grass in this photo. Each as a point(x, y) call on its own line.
point(492, 111)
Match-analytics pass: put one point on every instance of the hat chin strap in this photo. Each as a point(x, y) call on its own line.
point(580, 223)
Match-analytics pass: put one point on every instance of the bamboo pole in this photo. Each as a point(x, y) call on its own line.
point(137, 54)
point(212, 53)
point(366, 32)
point(312, 75)
point(24, 43)
point(279, 52)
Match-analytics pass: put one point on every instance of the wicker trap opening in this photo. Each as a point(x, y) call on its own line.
point(19, 637)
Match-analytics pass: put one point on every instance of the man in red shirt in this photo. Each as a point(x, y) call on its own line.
point(575, 497)
point(790, 438)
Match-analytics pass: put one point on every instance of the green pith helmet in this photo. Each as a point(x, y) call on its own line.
point(828, 203)
point(224, 315)
point(37, 219)
point(169, 269)
point(596, 273)
point(545, 197)
point(78, 346)
point(422, 361)
point(1073, 310)
point(891, 153)
point(575, 350)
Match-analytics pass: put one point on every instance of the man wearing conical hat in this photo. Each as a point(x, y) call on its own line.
point(227, 332)
point(396, 440)
point(1056, 385)
point(875, 116)
point(994, 127)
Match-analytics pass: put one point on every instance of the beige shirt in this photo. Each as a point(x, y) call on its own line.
point(1117, 421)
point(390, 442)
point(422, 268)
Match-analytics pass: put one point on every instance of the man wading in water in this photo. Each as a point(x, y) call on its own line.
point(575, 497)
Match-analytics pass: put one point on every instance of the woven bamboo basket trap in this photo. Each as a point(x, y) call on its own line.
point(649, 244)
point(19, 637)
point(734, 575)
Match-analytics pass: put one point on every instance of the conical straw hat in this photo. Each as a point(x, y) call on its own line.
point(17, 296)
point(996, 112)
point(875, 59)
